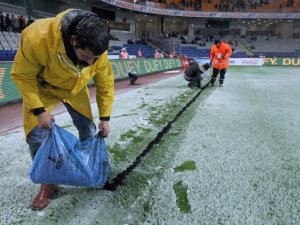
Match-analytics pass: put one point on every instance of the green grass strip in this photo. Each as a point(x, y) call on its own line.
point(182, 200)
point(187, 165)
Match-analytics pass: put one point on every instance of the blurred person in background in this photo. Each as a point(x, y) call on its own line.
point(8, 23)
point(22, 23)
point(219, 59)
point(123, 54)
point(132, 76)
point(139, 53)
point(15, 24)
point(156, 54)
point(161, 55)
point(193, 74)
point(56, 59)
point(2, 23)
point(29, 21)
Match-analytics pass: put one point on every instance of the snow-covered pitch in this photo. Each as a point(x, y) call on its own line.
point(233, 157)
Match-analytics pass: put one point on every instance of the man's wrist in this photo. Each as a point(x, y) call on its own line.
point(38, 111)
point(107, 118)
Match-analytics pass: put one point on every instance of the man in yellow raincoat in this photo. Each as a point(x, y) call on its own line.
point(56, 59)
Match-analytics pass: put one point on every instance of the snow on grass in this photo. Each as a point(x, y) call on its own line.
point(246, 148)
point(131, 132)
point(236, 147)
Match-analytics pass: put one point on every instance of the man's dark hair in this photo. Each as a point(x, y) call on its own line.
point(217, 40)
point(206, 66)
point(91, 32)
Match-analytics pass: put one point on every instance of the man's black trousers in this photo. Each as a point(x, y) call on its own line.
point(215, 74)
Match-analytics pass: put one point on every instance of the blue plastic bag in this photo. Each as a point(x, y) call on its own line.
point(63, 159)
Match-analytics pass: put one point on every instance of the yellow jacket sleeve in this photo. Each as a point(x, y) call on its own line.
point(24, 72)
point(104, 82)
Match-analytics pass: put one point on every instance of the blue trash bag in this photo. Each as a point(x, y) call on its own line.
point(63, 159)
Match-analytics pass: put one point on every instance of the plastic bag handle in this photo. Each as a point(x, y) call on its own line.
point(100, 134)
point(52, 123)
point(60, 159)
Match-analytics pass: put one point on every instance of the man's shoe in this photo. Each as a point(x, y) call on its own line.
point(42, 199)
point(190, 85)
point(220, 85)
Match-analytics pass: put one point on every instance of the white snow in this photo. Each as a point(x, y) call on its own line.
point(244, 139)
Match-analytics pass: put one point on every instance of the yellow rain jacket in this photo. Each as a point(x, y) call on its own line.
point(42, 56)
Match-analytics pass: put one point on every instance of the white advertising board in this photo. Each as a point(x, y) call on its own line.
point(238, 61)
point(246, 61)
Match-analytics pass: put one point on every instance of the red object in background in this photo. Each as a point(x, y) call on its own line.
point(185, 63)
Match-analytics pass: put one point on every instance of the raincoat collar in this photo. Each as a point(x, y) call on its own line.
point(69, 20)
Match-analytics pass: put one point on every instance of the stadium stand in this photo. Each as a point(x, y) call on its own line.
point(132, 49)
point(273, 46)
point(201, 47)
point(9, 42)
point(190, 46)
point(124, 39)
point(123, 36)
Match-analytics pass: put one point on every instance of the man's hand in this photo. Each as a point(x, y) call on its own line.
point(45, 119)
point(104, 126)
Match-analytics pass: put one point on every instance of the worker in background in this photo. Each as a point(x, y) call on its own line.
point(193, 74)
point(219, 59)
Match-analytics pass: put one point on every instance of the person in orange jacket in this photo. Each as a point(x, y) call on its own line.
point(219, 58)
